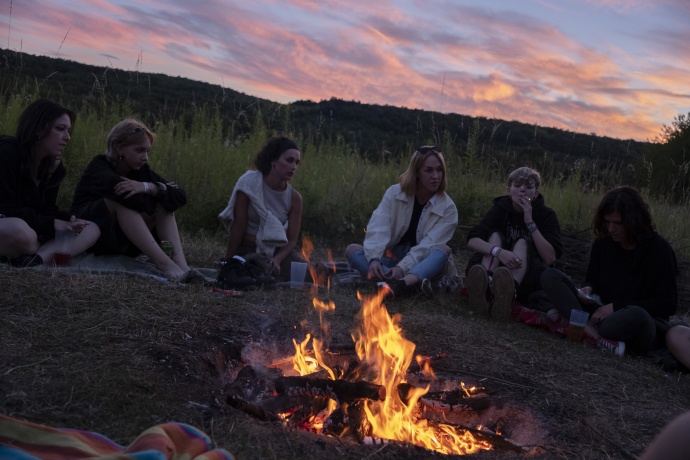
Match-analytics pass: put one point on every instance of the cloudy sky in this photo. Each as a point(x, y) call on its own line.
point(618, 68)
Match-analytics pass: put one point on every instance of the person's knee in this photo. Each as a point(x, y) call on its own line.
point(443, 248)
point(496, 239)
point(678, 336)
point(351, 249)
point(549, 276)
point(18, 236)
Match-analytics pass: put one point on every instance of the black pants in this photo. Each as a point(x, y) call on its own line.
point(631, 324)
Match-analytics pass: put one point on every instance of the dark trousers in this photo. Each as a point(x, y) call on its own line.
point(631, 324)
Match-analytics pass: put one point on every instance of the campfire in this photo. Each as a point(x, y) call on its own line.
point(373, 390)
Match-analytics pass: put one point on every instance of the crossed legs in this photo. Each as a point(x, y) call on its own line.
point(17, 238)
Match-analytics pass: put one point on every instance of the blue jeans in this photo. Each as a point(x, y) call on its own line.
point(432, 265)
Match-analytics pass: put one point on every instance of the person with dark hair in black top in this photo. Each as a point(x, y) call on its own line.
point(632, 269)
point(31, 171)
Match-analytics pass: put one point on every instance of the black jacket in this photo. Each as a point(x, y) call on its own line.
point(99, 180)
point(21, 197)
point(504, 219)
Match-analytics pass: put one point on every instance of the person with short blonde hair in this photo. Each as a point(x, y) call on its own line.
point(132, 204)
point(515, 241)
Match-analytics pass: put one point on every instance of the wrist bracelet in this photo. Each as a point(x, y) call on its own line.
point(375, 259)
point(531, 227)
point(146, 187)
point(494, 251)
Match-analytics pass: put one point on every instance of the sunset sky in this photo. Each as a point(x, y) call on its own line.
point(618, 68)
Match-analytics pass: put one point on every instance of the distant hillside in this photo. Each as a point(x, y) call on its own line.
point(374, 131)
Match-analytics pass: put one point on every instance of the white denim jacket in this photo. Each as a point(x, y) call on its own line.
point(390, 221)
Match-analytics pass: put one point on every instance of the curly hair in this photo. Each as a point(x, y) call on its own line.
point(271, 151)
point(408, 179)
point(634, 211)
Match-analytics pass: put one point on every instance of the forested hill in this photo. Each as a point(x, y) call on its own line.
point(373, 131)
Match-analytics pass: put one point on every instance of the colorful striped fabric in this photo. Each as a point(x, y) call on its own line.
point(20, 440)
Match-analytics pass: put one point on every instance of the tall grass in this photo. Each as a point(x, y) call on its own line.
point(339, 188)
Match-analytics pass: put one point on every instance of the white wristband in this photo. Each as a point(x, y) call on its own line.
point(146, 187)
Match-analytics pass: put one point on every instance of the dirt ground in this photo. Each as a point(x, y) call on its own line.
point(117, 355)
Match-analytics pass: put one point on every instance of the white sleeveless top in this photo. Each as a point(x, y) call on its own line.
point(279, 203)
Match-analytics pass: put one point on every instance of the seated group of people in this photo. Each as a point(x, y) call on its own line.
point(122, 206)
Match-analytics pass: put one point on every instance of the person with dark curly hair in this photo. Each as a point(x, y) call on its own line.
point(632, 272)
point(31, 172)
point(263, 218)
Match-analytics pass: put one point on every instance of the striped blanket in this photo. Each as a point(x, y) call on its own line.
point(21, 440)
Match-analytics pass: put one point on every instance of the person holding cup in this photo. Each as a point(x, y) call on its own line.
point(31, 172)
point(632, 269)
point(406, 239)
point(263, 218)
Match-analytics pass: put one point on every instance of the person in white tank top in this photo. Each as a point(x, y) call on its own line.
point(264, 214)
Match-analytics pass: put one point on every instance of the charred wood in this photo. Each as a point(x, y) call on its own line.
point(338, 390)
point(357, 420)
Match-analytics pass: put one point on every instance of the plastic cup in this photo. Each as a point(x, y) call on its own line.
point(576, 329)
point(298, 271)
point(64, 240)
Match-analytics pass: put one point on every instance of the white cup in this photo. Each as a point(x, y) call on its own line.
point(298, 271)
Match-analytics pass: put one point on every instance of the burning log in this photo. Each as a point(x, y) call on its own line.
point(253, 383)
point(359, 424)
point(338, 390)
point(496, 440)
point(423, 362)
point(342, 348)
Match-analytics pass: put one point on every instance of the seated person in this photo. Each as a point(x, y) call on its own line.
point(133, 206)
point(263, 218)
point(31, 171)
point(407, 235)
point(515, 241)
point(633, 271)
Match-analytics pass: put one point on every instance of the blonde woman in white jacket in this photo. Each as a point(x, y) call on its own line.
point(407, 235)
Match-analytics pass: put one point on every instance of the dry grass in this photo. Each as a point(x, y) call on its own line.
point(117, 354)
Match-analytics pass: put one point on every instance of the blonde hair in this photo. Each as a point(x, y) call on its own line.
point(127, 132)
point(408, 179)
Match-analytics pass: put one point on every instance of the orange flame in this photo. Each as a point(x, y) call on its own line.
point(380, 343)
point(318, 272)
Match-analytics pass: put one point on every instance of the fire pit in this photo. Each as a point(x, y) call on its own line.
point(374, 390)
